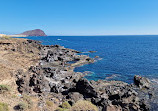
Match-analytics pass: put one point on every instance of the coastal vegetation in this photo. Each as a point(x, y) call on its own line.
point(49, 103)
point(83, 105)
point(28, 101)
point(4, 107)
point(64, 107)
point(4, 88)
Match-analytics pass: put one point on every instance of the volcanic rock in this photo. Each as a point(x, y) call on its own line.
point(36, 32)
point(141, 82)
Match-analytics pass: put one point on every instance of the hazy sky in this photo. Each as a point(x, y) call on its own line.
point(80, 17)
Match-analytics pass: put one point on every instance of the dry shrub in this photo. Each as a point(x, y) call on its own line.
point(66, 105)
point(4, 107)
point(4, 88)
point(83, 105)
point(28, 100)
point(22, 106)
point(49, 103)
point(61, 109)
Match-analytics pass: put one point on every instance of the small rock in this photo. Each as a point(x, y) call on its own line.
point(141, 82)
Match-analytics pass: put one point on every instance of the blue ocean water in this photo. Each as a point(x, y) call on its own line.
point(122, 56)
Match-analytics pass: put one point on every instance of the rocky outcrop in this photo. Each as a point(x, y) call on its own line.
point(54, 77)
point(55, 73)
point(147, 91)
point(141, 82)
point(36, 32)
point(110, 95)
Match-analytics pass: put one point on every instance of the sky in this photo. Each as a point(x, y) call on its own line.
point(80, 17)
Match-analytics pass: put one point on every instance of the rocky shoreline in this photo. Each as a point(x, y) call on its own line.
point(54, 79)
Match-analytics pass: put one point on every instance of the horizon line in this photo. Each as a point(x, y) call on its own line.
point(109, 35)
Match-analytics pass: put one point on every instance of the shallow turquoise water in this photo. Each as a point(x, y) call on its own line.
point(122, 56)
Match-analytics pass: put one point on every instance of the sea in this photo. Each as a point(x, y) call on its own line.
point(120, 57)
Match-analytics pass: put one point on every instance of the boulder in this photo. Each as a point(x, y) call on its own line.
point(113, 108)
point(141, 82)
point(84, 87)
point(75, 96)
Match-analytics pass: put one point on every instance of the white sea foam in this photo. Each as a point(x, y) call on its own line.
point(99, 59)
point(85, 52)
point(154, 80)
point(112, 76)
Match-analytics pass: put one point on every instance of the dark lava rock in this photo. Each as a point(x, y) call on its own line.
point(36, 32)
point(86, 88)
point(92, 51)
point(141, 82)
point(55, 76)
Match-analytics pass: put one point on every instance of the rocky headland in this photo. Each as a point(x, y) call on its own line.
point(46, 76)
point(36, 32)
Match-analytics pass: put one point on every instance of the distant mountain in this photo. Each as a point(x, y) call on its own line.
point(36, 32)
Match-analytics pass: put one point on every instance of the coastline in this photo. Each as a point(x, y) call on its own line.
point(51, 77)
